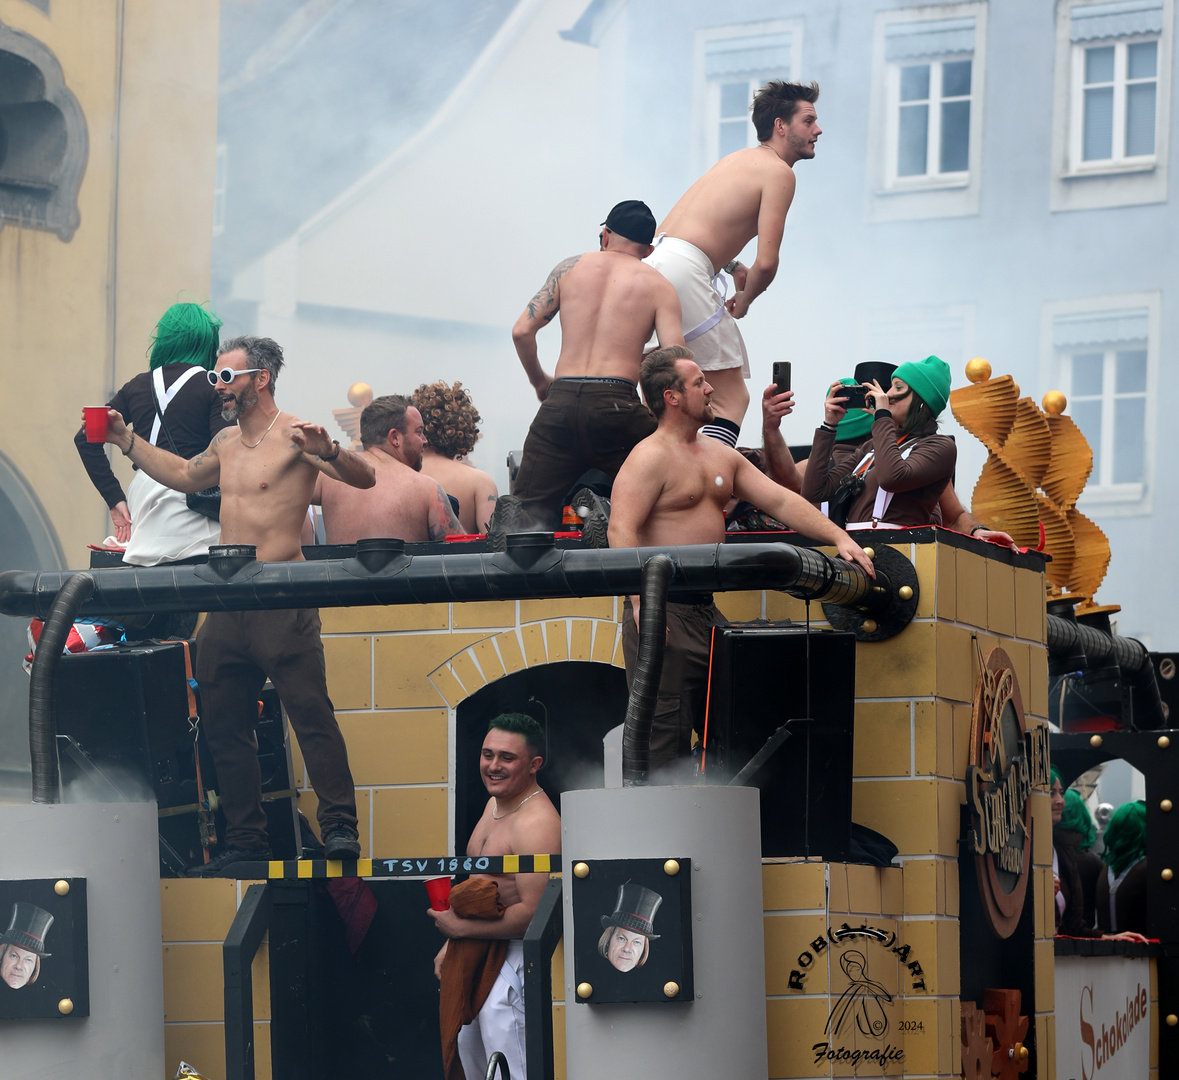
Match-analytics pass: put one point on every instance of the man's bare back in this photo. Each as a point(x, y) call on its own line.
point(720, 212)
point(403, 504)
point(609, 303)
point(475, 490)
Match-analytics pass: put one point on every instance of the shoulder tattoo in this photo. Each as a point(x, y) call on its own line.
point(544, 304)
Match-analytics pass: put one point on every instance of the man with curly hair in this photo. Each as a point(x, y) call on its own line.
point(452, 426)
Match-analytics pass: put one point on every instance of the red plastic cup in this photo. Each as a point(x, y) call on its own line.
point(96, 422)
point(439, 890)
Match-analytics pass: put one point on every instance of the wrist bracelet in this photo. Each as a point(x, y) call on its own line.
point(332, 456)
point(130, 446)
point(731, 265)
point(826, 426)
point(975, 530)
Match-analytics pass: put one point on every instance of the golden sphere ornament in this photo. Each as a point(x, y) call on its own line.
point(360, 395)
point(581, 869)
point(584, 990)
point(978, 370)
point(1054, 402)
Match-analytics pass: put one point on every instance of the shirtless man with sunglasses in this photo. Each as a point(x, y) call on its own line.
point(267, 467)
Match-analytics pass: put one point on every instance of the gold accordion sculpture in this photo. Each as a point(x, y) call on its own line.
point(1036, 469)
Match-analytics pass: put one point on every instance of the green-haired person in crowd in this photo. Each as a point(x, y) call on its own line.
point(173, 406)
point(905, 466)
point(1121, 890)
point(1075, 868)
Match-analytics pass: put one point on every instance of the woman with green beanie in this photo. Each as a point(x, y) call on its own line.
point(173, 405)
point(903, 471)
point(1121, 890)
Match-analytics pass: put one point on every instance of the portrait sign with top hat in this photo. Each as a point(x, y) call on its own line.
point(43, 962)
point(633, 930)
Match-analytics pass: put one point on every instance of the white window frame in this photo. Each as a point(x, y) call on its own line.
point(1119, 160)
point(933, 195)
point(1120, 180)
point(931, 177)
point(220, 185)
point(706, 91)
point(1109, 499)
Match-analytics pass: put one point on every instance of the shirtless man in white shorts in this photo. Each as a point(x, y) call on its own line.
point(744, 195)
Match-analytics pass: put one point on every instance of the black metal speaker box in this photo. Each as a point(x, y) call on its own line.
point(124, 733)
point(759, 681)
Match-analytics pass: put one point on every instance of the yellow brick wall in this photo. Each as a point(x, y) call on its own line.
point(397, 675)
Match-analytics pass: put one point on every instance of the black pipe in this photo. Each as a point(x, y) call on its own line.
point(1067, 637)
point(233, 582)
point(644, 689)
point(42, 682)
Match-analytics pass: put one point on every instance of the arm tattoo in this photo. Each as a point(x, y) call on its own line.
point(544, 304)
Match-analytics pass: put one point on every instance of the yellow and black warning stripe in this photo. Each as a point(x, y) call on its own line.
point(435, 866)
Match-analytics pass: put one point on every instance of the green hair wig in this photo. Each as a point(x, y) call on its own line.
point(1125, 836)
point(185, 334)
point(1076, 819)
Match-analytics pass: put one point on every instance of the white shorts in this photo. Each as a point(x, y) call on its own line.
point(500, 1023)
point(689, 270)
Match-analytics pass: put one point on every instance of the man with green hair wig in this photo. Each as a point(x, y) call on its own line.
point(1121, 890)
point(172, 406)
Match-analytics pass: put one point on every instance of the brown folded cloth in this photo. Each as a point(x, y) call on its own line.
point(469, 968)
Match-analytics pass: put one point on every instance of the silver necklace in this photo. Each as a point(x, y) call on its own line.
point(500, 817)
point(253, 446)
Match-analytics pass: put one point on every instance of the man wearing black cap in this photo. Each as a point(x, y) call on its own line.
point(590, 415)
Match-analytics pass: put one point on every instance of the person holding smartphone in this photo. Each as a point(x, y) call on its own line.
point(903, 471)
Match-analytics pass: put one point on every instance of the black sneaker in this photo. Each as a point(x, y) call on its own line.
point(507, 517)
point(223, 865)
point(594, 512)
point(341, 842)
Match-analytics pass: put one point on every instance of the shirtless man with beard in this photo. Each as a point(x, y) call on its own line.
point(746, 194)
point(404, 503)
point(518, 819)
point(673, 490)
point(267, 467)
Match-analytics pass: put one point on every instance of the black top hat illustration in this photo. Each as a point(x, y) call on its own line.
point(634, 910)
point(875, 369)
point(27, 928)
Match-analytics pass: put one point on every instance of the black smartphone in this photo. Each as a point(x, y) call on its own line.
point(857, 397)
point(782, 375)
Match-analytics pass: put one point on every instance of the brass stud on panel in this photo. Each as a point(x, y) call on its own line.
point(905, 592)
point(65, 1006)
point(1165, 806)
point(61, 887)
point(670, 989)
point(1167, 873)
point(870, 552)
point(1172, 1019)
point(671, 868)
point(584, 990)
point(1095, 741)
point(1164, 742)
point(581, 870)
point(868, 626)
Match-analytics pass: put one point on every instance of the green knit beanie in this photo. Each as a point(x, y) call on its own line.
point(929, 379)
point(856, 424)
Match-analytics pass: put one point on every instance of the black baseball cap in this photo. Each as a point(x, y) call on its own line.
point(632, 219)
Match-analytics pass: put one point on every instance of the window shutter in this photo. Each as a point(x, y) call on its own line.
point(748, 56)
point(1094, 21)
point(914, 40)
